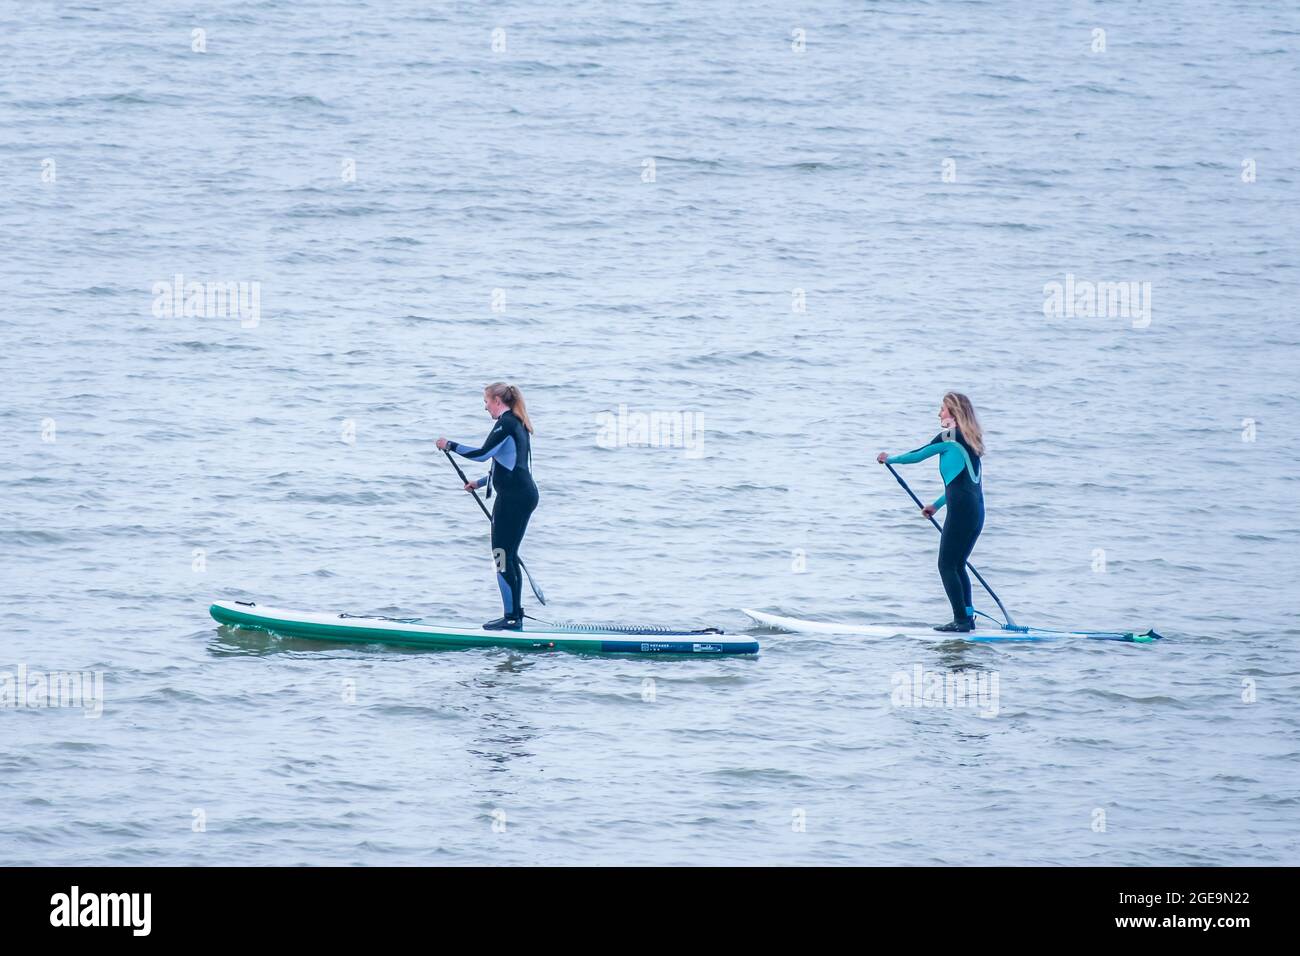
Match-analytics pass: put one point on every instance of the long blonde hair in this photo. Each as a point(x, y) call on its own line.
point(964, 414)
point(513, 399)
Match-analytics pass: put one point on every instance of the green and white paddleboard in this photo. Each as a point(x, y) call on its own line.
point(585, 638)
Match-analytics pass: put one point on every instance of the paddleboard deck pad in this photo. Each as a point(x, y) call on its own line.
point(983, 635)
point(584, 638)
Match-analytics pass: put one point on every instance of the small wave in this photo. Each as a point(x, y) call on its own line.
point(31, 538)
point(291, 102)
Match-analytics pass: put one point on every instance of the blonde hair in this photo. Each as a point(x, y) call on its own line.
point(513, 399)
point(964, 414)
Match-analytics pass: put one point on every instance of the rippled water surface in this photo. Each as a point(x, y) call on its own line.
point(616, 206)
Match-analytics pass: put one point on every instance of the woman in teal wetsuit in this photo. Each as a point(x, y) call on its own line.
point(959, 447)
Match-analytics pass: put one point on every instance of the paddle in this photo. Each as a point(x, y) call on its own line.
point(978, 576)
point(541, 598)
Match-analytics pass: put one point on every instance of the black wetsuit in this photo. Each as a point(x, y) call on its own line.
point(510, 476)
point(962, 471)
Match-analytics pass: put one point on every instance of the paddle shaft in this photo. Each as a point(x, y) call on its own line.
point(979, 577)
point(464, 480)
point(537, 591)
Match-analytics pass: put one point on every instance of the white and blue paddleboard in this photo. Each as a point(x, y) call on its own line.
point(1018, 633)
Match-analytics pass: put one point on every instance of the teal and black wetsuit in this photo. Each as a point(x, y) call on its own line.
point(510, 475)
point(961, 471)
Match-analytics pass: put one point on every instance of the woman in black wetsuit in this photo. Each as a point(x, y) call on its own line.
point(959, 447)
point(509, 446)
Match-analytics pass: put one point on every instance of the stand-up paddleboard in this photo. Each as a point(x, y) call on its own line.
point(983, 635)
point(586, 638)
